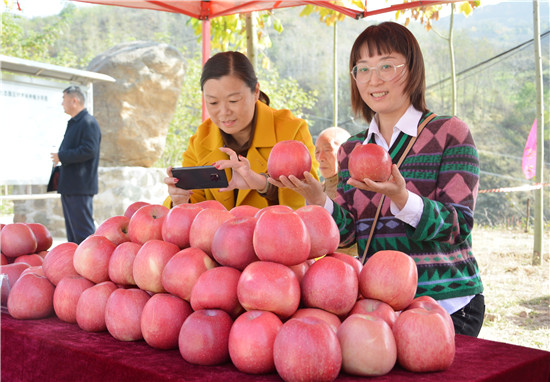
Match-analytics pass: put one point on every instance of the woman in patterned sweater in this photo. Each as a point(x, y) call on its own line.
point(428, 211)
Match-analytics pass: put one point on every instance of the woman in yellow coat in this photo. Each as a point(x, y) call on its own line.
point(238, 136)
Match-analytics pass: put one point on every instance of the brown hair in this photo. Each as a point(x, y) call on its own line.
point(385, 38)
point(235, 64)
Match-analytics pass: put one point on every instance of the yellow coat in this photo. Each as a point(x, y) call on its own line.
point(272, 126)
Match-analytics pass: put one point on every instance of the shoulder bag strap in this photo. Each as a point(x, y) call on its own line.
point(401, 159)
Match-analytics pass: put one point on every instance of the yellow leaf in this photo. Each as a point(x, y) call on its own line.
point(465, 8)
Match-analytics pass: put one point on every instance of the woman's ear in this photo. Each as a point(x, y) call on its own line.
point(257, 91)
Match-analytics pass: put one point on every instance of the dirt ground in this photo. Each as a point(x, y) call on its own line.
point(517, 293)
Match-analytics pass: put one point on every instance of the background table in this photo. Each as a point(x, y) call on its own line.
point(53, 350)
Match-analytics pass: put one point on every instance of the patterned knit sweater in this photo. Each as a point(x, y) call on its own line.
point(442, 167)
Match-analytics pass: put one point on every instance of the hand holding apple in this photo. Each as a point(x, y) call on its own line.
point(288, 158)
point(369, 161)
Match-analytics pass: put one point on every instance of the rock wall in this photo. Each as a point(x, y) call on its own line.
point(118, 188)
point(134, 112)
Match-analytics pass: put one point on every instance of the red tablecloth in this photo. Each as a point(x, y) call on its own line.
point(53, 350)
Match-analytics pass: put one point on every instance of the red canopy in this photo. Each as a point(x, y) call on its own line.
point(208, 9)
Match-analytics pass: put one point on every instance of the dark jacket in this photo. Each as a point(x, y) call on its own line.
point(79, 156)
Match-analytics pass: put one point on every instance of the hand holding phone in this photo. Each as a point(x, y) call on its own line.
point(200, 177)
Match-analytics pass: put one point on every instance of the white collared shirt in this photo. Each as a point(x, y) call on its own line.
point(412, 211)
point(408, 123)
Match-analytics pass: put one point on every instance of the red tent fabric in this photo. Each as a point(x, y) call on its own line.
point(208, 9)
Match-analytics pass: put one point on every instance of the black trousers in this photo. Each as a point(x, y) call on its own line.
point(469, 319)
point(79, 220)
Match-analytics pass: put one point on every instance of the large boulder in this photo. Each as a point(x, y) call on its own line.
point(135, 111)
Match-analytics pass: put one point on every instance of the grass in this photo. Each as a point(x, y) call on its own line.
point(517, 293)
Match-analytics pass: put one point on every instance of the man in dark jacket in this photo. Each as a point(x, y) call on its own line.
point(79, 157)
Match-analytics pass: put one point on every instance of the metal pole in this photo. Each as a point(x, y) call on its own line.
point(205, 57)
point(335, 66)
point(539, 221)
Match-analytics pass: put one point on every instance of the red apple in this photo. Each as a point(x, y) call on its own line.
point(36, 269)
point(182, 271)
point(307, 349)
point(121, 263)
point(204, 337)
point(205, 225)
point(429, 303)
point(351, 260)
point(251, 341)
point(368, 346)
point(330, 318)
point(90, 309)
point(232, 243)
point(281, 237)
point(265, 285)
point(66, 295)
point(177, 224)
point(17, 239)
point(244, 210)
point(91, 258)
point(389, 276)
point(10, 273)
point(212, 203)
point(123, 313)
point(375, 308)
point(42, 254)
point(330, 284)
point(146, 223)
point(370, 161)
point(216, 288)
point(300, 270)
point(132, 208)
point(322, 230)
point(115, 229)
point(58, 263)
point(288, 158)
point(276, 207)
point(33, 259)
point(424, 340)
point(43, 237)
point(162, 318)
point(31, 297)
point(149, 263)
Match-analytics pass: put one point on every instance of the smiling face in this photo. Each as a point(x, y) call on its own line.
point(231, 104)
point(387, 98)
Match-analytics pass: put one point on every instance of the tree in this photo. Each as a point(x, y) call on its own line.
point(26, 43)
point(425, 15)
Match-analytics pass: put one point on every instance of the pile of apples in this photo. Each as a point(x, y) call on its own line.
point(263, 288)
point(23, 247)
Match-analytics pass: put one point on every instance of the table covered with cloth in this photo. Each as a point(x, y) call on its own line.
point(52, 350)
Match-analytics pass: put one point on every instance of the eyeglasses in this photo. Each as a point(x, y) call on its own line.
point(386, 71)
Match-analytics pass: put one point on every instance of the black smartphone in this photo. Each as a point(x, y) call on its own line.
point(193, 178)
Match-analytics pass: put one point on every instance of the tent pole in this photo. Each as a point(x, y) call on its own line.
point(539, 221)
point(335, 68)
point(205, 56)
